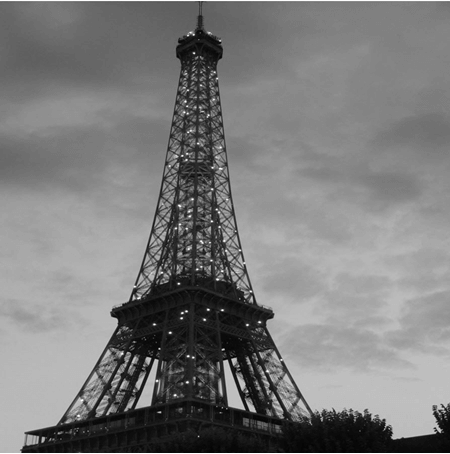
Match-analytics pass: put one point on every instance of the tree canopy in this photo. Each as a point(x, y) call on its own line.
point(442, 416)
point(332, 431)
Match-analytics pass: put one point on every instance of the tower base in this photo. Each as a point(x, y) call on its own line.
point(142, 429)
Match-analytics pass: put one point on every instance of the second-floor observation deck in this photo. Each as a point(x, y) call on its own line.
point(216, 295)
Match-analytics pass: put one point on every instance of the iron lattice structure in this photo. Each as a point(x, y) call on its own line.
point(192, 310)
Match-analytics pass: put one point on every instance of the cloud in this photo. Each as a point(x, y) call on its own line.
point(65, 43)
point(386, 189)
point(290, 277)
point(37, 318)
point(328, 347)
point(424, 325)
point(422, 270)
point(39, 161)
point(78, 148)
point(367, 189)
point(358, 330)
point(357, 299)
point(428, 133)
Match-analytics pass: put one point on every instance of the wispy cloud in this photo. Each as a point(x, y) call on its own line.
point(37, 318)
point(427, 133)
point(328, 347)
point(424, 325)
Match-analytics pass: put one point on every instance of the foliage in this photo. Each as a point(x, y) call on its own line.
point(442, 416)
point(211, 439)
point(332, 431)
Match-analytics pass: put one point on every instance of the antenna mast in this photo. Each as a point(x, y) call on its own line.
point(200, 17)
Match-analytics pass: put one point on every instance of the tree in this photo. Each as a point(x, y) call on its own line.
point(442, 416)
point(332, 431)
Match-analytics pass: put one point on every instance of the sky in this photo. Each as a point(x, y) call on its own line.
point(337, 124)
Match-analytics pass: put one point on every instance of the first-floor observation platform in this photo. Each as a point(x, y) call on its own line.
point(135, 430)
point(182, 340)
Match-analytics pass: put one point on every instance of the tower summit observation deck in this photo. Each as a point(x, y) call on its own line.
point(192, 314)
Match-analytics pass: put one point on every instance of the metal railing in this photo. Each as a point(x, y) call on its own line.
point(155, 415)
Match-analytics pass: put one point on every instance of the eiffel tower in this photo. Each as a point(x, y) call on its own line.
point(192, 312)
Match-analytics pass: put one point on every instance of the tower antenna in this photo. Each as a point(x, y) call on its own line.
point(200, 17)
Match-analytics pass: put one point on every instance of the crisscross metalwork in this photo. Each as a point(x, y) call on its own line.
point(194, 237)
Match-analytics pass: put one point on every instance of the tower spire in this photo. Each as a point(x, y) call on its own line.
point(199, 17)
